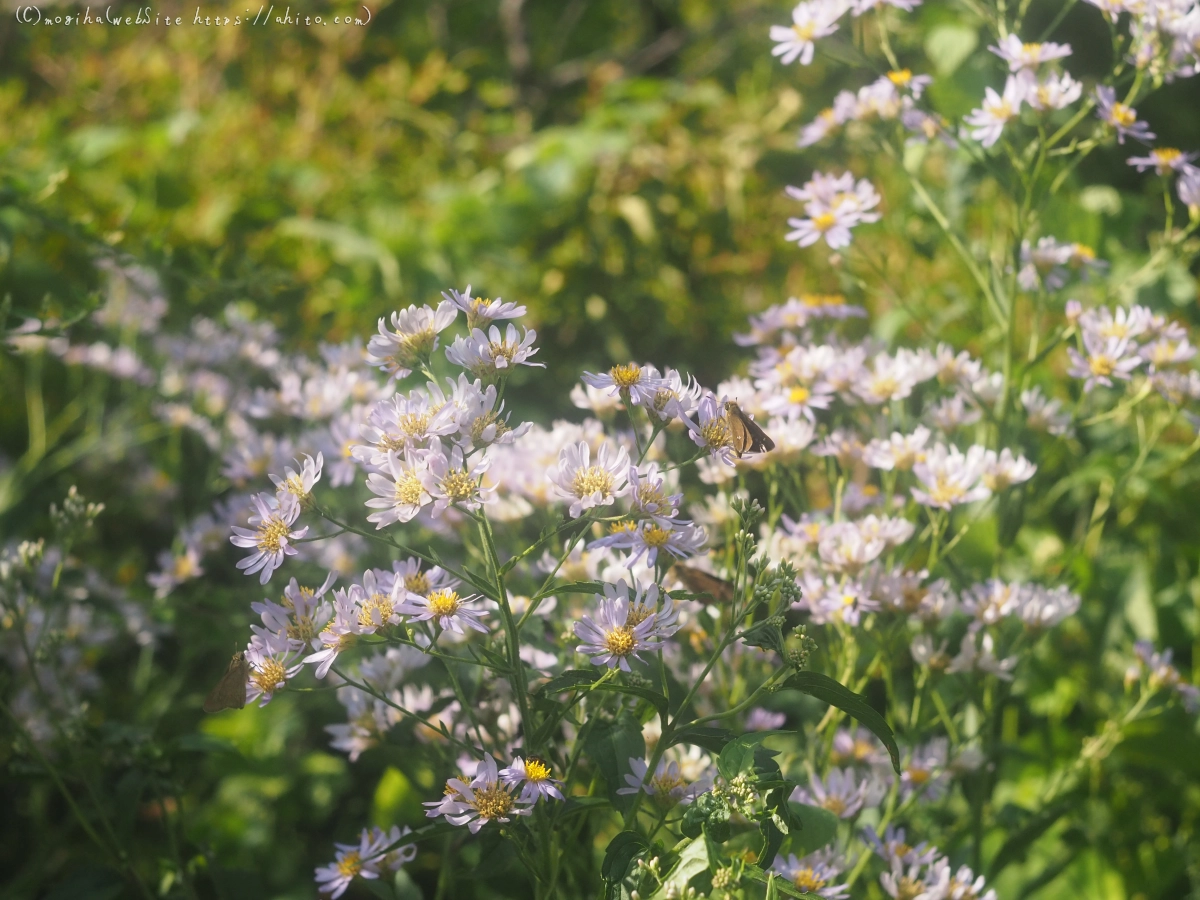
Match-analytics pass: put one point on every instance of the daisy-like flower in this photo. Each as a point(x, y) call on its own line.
point(400, 496)
point(987, 122)
point(301, 614)
point(273, 661)
point(1028, 56)
point(492, 356)
point(1106, 359)
point(925, 771)
point(981, 657)
point(1121, 117)
point(949, 478)
point(648, 492)
point(963, 884)
point(536, 776)
point(858, 747)
point(711, 431)
point(445, 605)
point(623, 627)
point(300, 483)
point(403, 422)
point(639, 384)
point(480, 311)
point(668, 786)
point(813, 874)
point(841, 793)
point(810, 20)
point(1004, 470)
point(587, 484)
point(900, 452)
point(831, 224)
point(482, 420)
point(453, 481)
point(1188, 189)
point(895, 850)
point(412, 340)
point(270, 534)
point(679, 539)
point(1164, 161)
point(340, 632)
point(1056, 91)
point(486, 799)
point(335, 878)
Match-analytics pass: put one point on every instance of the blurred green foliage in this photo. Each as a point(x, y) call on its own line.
point(617, 166)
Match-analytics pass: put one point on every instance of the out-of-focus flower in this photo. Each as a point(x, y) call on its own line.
point(1121, 117)
point(668, 786)
point(813, 874)
point(1028, 56)
point(841, 793)
point(950, 478)
point(810, 20)
point(987, 123)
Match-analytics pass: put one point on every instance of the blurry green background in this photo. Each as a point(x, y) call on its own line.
point(618, 166)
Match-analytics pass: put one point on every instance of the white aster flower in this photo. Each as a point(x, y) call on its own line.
point(401, 488)
point(535, 775)
point(300, 483)
point(1121, 117)
point(412, 340)
point(841, 793)
point(444, 605)
point(1028, 56)
point(1056, 91)
point(668, 786)
point(486, 799)
point(492, 356)
point(636, 382)
point(273, 661)
point(813, 874)
point(480, 311)
point(987, 123)
point(979, 655)
point(451, 480)
point(949, 478)
point(1106, 359)
point(1005, 470)
point(271, 536)
point(625, 627)
point(587, 484)
point(810, 20)
point(899, 452)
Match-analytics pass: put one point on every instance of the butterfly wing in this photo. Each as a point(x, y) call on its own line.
point(230, 692)
point(700, 582)
point(747, 436)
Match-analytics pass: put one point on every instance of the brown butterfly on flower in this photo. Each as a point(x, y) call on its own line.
point(746, 436)
point(230, 692)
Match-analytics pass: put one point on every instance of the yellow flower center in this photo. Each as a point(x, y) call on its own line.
point(271, 534)
point(799, 394)
point(900, 77)
point(417, 583)
point(536, 770)
point(480, 425)
point(808, 882)
point(1123, 115)
point(294, 485)
point(458, 486)
point(303, 630)
point(409, 489)
point(270, 677)
point(625, 525)
point(824, 222)
point(918, 776)
point(444, 603)
point(348, 448)
point(638, 614)
point(183, 567)
point(908, 889)
point(592, 480)
point(1032, 50)
point(1165, 156)
point(380, 602)
point(413, 424)
point(1102, 365)
point(620, 641)
point(716, 434)
point(655, 536)
point(835, 805)
point(493, 802)
point(350, 864)
point(1001, 110)
point(804, 32)
point(946, 492)
point(625, 377)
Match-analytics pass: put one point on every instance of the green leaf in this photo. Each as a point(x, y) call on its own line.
point(575, 679)
point(1037, 825)
point(711, 738)
point(622, 851)
point(818, 828)
point(948, 46)
point(570, 680)
point(692, 861)
point(777, 882)
point(580, 587)
point(837, 694)
point(610, 745)
point(765, 634)
point(744, 756)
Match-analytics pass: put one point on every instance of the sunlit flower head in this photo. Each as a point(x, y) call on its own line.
point(486, 799)
point(270, 534)
point(481, 311)
point(589, 484)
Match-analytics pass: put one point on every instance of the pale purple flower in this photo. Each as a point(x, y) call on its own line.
point(1106, 359)
point(1020, 56)
point(271, 536)
point(492, 355)
point(841, 793)
point(445, 606)
point(987, 123)
point(950, 478)
point(481, 311)
point(1121, 117)
point(625, 627)
point(639, 383)
point(667, 786)
point(486, 799)
point(586, 484)
point(535, 775)
point(813, 874)
point(810, 20)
